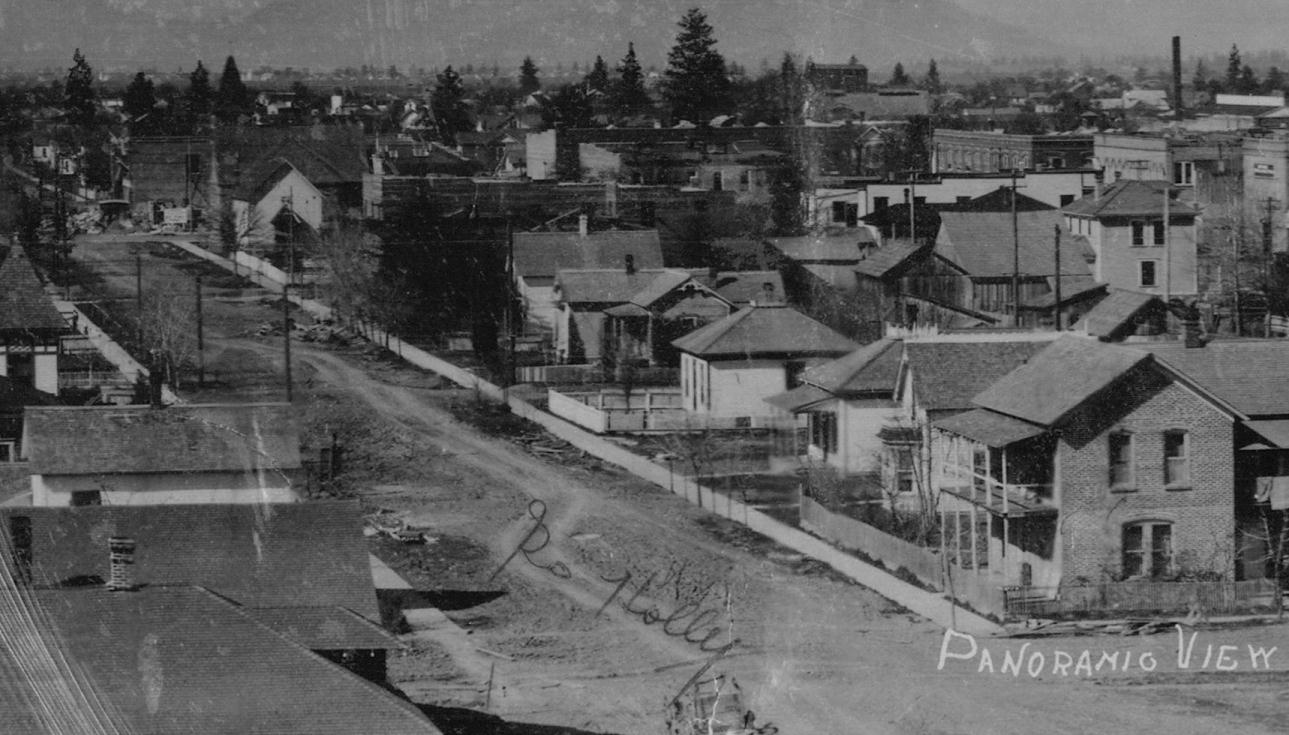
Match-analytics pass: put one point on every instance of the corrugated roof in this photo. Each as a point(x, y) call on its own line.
point(947, 375)
point(989, 428)
point(982, 243)
point(873, 368)
point(272, 555)
point(24, 305)
point(180, 660)
point(764, 330)
point(1249, 375)
point(1116, 312)
point(547, 253)
point(1060, 379)
point(101, 440)
point(1131, 197)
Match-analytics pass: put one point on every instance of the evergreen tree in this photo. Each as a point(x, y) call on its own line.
point(1248, 83)
point(932, 81)
point(232, 95)
point(199, 94)
point(629, 95)
point(697, 83)
point(598, 78)
point(140, 96)
point(792, 91)
point(898, 77)
point(448, 105)
point(1275, 81)
point(528, 81)
point(1233, 67)
point(78, 91)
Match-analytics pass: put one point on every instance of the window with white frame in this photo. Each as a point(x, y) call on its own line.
point(1177, 471)
point(1121, 469)
point(1184, 173)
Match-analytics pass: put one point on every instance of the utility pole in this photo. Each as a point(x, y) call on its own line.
point(913, 207)
point(1056, 307)
point(1168, 246)
point(201, 343)
point(1268, 225)
point(138, 294)
point(1235, 246)
point(511, 297)
point(286, 338)
point(1015, 256)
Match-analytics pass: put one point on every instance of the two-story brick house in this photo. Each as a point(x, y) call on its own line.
point(1089, 463)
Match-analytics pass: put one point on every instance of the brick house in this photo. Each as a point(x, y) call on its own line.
point(1089, 463)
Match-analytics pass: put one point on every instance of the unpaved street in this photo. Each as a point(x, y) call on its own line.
point(814, 653)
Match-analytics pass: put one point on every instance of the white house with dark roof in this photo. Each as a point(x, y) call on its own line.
point(1123, 223)
point(140, 455)
point(729, 367)
point(277, 198)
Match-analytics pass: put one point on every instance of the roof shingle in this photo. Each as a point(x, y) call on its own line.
point(764, 330)
point(547, 253)
point(23, 302)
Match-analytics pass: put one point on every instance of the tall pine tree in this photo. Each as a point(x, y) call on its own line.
point(200, 95)
point(448, 105)
point(898, 77)
point(697, 85)
point(78, 91)
point(140, 96)
point(932, 81)
point(528, 80)
point(232, 96)
point(629, 96)
point(598, 78)
point(1233, 69)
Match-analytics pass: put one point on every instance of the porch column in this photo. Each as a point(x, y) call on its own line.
point(649, 340)
point(957, 536)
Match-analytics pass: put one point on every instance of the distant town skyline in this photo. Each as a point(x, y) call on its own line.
point(170, 34)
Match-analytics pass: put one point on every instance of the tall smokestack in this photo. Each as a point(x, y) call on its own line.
point(1177, 78)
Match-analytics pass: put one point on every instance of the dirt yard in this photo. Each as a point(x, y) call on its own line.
point(620, 592)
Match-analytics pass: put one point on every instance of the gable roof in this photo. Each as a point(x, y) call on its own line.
point(207, 668)
point(880, 261)
point(325, 628)
point(24, 305)
point(764, 330)
point(998, 200)
point(613, 286)
point(101, 440)
point(547, 253)
point(741, 288)
point(873, 368)
point(269, 555)
point(1129, 197)
point(1249, 375)
point(982, 246)
point(947, 375)
point(1116, 312)
point(1059, 379)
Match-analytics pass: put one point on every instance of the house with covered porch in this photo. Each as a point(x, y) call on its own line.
point(1089, 463)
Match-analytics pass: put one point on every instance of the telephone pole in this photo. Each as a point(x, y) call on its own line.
point(1015, 256)
point(1056, 307)
point(201, 343)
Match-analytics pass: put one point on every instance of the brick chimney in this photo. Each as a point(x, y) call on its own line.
point(582, 225)
point(120, 557)
point(1191, 334)
point(630, 264)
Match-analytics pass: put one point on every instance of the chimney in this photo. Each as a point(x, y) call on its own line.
point(1191, 333)
point(582, 225)
point(120, 557)
point(1097, 191)
point(631, 264)
point(767, 293)
point(1177, 78)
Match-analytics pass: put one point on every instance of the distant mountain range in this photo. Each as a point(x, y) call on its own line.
point(171, 34)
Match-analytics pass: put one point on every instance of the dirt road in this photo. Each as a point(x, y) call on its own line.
point(814, 653)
